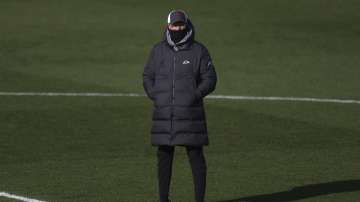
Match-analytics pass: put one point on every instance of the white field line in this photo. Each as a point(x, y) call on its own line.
point(228, 97)
point(21, 198)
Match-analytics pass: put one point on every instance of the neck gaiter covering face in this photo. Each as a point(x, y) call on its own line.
point(176, 36)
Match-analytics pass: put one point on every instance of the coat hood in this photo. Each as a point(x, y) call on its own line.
point(185, 42)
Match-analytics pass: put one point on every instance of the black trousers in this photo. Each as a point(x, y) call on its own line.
point(197, 161)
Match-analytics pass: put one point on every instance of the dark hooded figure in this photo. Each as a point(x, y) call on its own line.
point(177, 76)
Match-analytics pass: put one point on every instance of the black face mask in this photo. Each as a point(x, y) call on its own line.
point(176, 36)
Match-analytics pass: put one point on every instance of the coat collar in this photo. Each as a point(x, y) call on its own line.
point(185, 43)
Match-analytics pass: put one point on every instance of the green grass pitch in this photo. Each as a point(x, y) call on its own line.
point(98, 148)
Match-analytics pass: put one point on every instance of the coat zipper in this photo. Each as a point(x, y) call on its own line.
point(173, 82)
point(173, 95)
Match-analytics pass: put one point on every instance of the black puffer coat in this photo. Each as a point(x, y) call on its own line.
point(177, 78)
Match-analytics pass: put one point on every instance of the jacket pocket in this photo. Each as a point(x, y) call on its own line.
point(161, 89)
point(191, 77)
point(159, 81)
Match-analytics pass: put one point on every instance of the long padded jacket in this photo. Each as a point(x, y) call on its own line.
point(176, 78)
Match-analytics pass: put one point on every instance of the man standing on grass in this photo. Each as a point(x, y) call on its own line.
point(179, 73)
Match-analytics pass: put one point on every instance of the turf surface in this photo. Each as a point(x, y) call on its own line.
point(98, 149)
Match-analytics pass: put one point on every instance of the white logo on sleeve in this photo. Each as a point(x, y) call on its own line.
point(185, 62)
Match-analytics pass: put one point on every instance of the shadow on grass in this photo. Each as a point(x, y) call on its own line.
point(307, 191)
